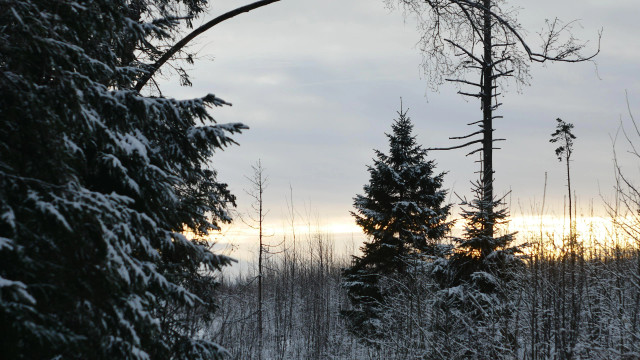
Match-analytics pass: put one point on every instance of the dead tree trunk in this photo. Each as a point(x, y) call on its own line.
point(258, 184)
point(487, 116)
point(483, 37)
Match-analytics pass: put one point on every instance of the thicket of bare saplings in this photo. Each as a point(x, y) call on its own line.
point(580, 303)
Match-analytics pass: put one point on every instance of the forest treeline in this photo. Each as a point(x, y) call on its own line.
point(560, 305)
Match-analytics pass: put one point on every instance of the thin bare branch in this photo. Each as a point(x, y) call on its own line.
point(182, 43)
point(466, 136)
point(469, 54)
point(459, 146)
point(464, 82)
point(478, 95)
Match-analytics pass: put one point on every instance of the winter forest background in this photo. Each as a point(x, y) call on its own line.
point(122, 221)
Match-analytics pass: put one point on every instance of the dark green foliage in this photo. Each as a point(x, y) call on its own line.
point(404, 215)
point(478, 252)
point(563, 135)
point(98, 184)
point(475, 305)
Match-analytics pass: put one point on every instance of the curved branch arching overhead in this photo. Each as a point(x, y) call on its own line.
point(182, 43)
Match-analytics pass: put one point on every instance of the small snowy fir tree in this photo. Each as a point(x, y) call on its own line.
point(403, 212)
point(478, 251)
point(475, 304)
point(99, 184)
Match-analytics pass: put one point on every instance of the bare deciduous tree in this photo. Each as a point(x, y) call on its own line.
point(258, 185)
point(626, 210)
point(464, 39)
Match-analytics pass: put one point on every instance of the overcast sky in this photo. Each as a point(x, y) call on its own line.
point(319, 83)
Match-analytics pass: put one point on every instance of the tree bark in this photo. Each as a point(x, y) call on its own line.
point(487, 117)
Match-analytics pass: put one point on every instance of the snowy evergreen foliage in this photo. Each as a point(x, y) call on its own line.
point(476, 303)
point(478, 255)
point(98, 184)
point(404, 215)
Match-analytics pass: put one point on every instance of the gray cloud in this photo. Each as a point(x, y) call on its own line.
point(319, 84)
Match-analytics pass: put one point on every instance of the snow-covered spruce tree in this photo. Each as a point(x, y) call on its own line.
point(476, 310)
point(403, 212)
point(98, 184)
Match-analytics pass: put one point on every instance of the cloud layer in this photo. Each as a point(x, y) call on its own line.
point(319, 83)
